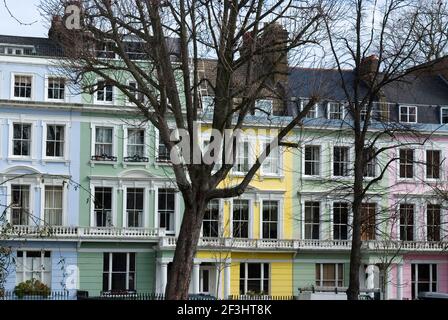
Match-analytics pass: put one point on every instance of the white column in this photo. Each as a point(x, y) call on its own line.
point(163, 277)
point(370, 281)
point(226, 280)
point(387, 294)
point(218, 288)
point(400, 281)
point(196, 278)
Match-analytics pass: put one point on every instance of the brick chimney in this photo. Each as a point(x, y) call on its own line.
point(368, 68)
point(275, 40)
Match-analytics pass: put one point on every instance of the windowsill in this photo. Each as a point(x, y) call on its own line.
point(271, 176)
point(163, 163)
point(21, 99)
point(406, 180)
point(18, 158)
point(313, 178)
point(102, 103)
point(112, 163)
point(135, 164)
point(55, 100)
point(343, 178)
point(55, 160)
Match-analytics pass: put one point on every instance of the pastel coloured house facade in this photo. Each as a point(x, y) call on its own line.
point(93, 204)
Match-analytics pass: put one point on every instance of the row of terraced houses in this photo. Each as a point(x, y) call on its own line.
point(61, 148)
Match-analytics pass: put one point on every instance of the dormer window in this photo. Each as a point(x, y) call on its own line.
point(444, 115)
point(408, 114)
point(335, 111)
point(312, 113)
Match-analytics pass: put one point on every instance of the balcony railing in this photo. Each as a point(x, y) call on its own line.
point(159, 236)
point(93, 233)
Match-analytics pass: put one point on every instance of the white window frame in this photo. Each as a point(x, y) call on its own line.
point(103, 102)
point(128, 101)
point(280, 214)
point(67, 127)
point(278, 152)
point(128, 264)
point(176, 223)
point(32, 155)
point(303, 204)
point(415, 221)
point(407, 115)
point(329, 112)
point(314, 109)
point(145, 210)
point(414, 165)
point(442, 109)
point(126, 142)
point(21, 181)
point(221, 230)
point(54, 183)
point(350, 161)
point(251, 201)
point(33, 86)
point(332, 207)
point(336, 265)
point(262, 278)
point(93, 127)
point(251, 154)
point(441, 167)
point(103, 184)
point(304, 161)
point(47, 86)
point(441, 220)
point(43, 271)
point(431, 278)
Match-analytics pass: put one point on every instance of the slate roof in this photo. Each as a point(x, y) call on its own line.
point(44, 47)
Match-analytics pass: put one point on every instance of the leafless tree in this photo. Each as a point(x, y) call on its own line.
point(371, 39)
point(248, 42)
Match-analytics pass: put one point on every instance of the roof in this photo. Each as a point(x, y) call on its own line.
point(42, 46)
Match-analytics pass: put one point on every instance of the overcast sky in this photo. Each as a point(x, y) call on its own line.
point(27, 12)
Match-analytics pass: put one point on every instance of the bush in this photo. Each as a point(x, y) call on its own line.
point(32, 288)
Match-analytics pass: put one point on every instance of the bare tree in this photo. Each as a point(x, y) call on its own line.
point(249, 51)
point(371, 39)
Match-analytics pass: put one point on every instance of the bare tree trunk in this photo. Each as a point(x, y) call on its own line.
point(358, 195)
point(179, 275)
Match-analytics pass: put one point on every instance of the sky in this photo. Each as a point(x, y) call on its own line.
point(26, 11)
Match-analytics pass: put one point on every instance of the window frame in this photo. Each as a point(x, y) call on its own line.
point(30, 200)
point(321, 279)
point(278, 153)
point(330, 113)
point(442, 109)
point(43, 271)
point(93, 143)
point(66, 148)
point(407, 115)
point(144, 210)
point(33, 86)
point(278, 222)
point(319, 162)
point(340, 225)
point(400, 178)
point(349, 162)
point(127, 273)
point(415, 282)
point(47, 88)
point(405, 236)
point(433, 226)
point(113, 204)
point(145, 156)
point(54, 183)
point(31, 140)
point(262, 279)
point(175, 213)
point(250, 217)
point(219, 221)
point(104, 101)
point(433, 168)
point(312, 223)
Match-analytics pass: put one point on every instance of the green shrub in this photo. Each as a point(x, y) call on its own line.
point(32, 288)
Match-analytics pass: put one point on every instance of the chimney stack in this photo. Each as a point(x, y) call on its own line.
point(368, 68)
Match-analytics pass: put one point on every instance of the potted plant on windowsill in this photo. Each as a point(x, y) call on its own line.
point(32, 288)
